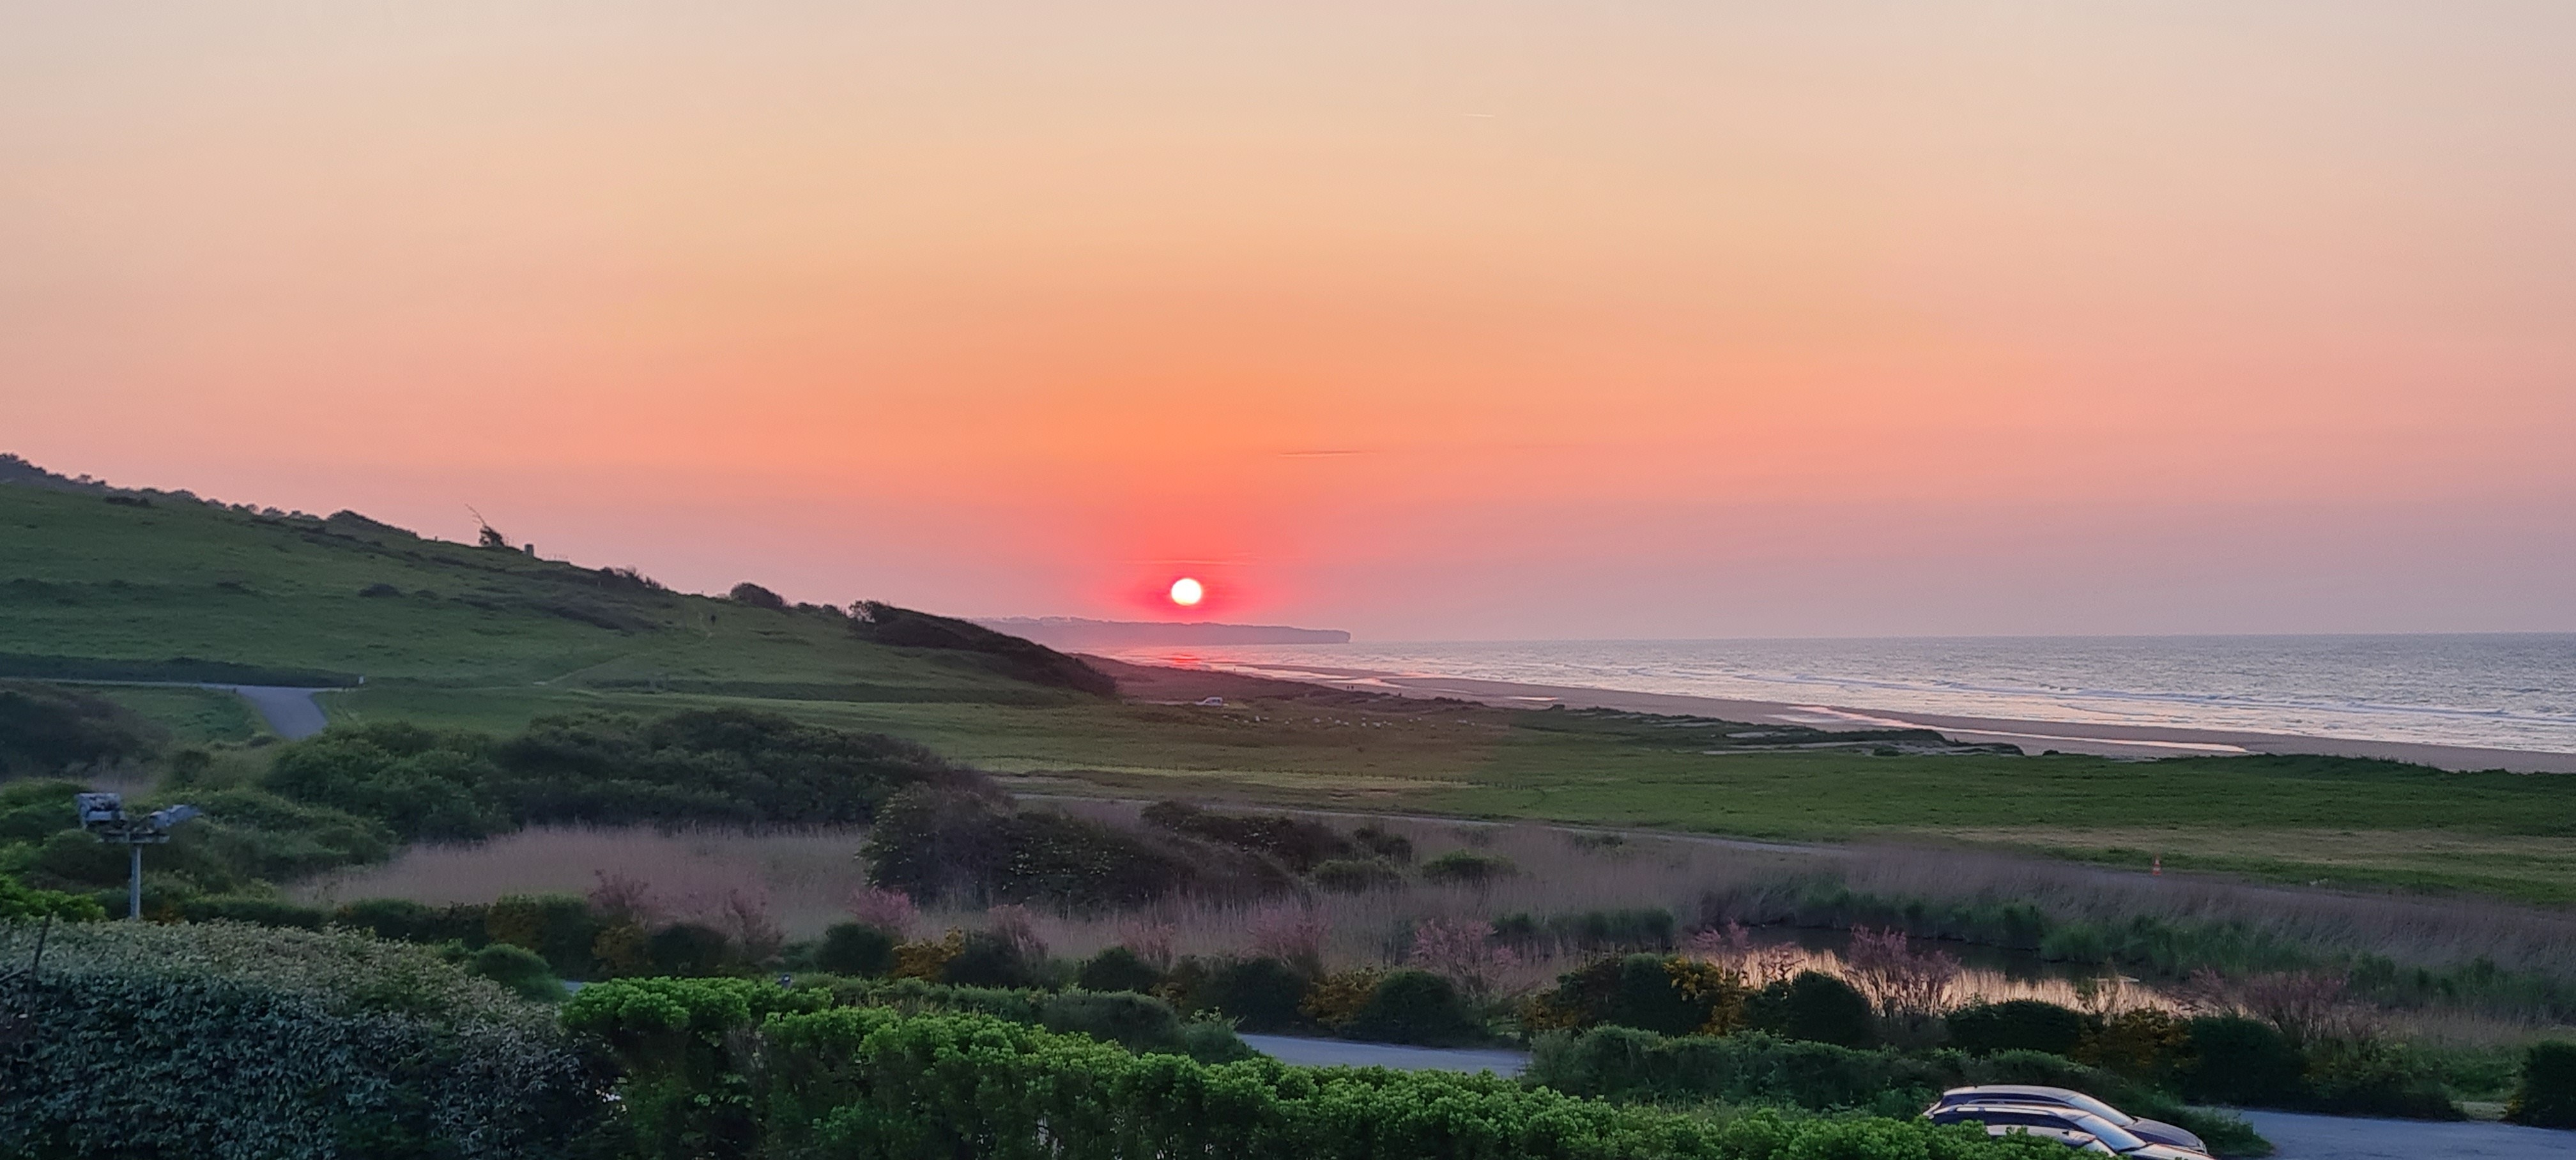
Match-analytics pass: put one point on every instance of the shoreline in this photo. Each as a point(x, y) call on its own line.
point(2135, 741)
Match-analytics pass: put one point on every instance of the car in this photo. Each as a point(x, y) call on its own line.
point(2070, 1126)
point(2061, 1124)
point(2155, 1131)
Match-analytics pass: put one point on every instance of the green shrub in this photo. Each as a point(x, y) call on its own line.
point(1468, 867)
point(1812, 1006)
point(688, 949)
point(987, 959)
point(1260, 994)
point(45, 729)
point(518, 969)
point(2371, 1078)
point(231, 1041)
point(1415, 1007)
point(853, 1082)
point(1382, 843)
point(1643, 991)
point(263, 911)
point(2547, 1095)
point(1356, 875)
point(1136, 1022)
point(692, 766)
point(408, 921)
point(2016, 1025)
point(1299, 844)
point(21, 901)
point(558, 927)
point(1117, 969)
point(851, 948)
point(934, 843)
point(2239, 1061)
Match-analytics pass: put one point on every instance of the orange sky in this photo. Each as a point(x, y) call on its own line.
point(1424, 320)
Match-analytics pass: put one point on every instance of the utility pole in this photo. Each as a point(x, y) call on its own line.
point(104, 814)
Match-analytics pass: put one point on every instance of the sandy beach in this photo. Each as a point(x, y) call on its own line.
point(2032, 736)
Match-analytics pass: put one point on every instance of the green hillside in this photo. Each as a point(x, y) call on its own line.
point(103, 586)
point(127, 588)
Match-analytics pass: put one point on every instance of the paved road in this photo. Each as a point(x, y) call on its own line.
point(1332, 1052)
point(2303, 1137)
point(290, 713)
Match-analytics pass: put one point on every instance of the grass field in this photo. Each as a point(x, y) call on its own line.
point(491, 638)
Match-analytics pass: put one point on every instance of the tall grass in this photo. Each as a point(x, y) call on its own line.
point(2463, 971)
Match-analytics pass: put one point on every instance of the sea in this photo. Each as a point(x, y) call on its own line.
point(2501, 690)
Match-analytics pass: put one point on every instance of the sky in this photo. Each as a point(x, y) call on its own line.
point(1426, 320)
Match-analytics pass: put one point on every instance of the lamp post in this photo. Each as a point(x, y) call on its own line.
point(104, 814)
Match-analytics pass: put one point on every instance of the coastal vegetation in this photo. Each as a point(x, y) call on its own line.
point(1719, 940)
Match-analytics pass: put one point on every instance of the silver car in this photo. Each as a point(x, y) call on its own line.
point(2065, 1125)
point(2155, 1131)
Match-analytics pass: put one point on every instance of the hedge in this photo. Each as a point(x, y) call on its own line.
point(876, 1083)
point(231, 1041)
point(1752, 1068)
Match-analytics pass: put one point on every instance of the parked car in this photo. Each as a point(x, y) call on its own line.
point(2062, 1124)
point(2155, 1131)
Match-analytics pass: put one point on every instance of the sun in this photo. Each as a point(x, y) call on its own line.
point(1187, 592)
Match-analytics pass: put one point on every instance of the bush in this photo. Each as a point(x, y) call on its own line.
point(558, 927)
point(688, 948)
point(851, 948)
point(1416, 1007)
point(2547, 1096)
point(932, 843)
point(1377, 840)
point(2369, 1078)
point(997, 652)
point(1356, 875)
point(860, 1082)
point(1260, 994)
point(2016, 1025)
point(46, 729)
point(1299, 844)
point(1672, 996)
point(408, 921)
point(1117, 969)
point(21, 901)
point(1467, 867)
point(757, 597)
point(518, 969)
point(231, 1041)
point(262, 911)
point(694, 766)
point(1751, 1068)
point(985, 959)
point(2239, 1061)
point(1136, 1022)
point(1812, 1006)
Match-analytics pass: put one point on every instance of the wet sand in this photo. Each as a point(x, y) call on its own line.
point(2031, 736)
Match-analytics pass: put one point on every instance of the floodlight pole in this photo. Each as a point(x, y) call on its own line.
point(104, 814)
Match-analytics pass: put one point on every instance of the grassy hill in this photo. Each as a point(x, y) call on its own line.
point(100, 585)
point(127, 588)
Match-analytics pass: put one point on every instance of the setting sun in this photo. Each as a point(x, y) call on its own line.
point(1187, 592)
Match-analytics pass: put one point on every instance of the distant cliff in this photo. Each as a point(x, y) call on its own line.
point(1073, 632)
